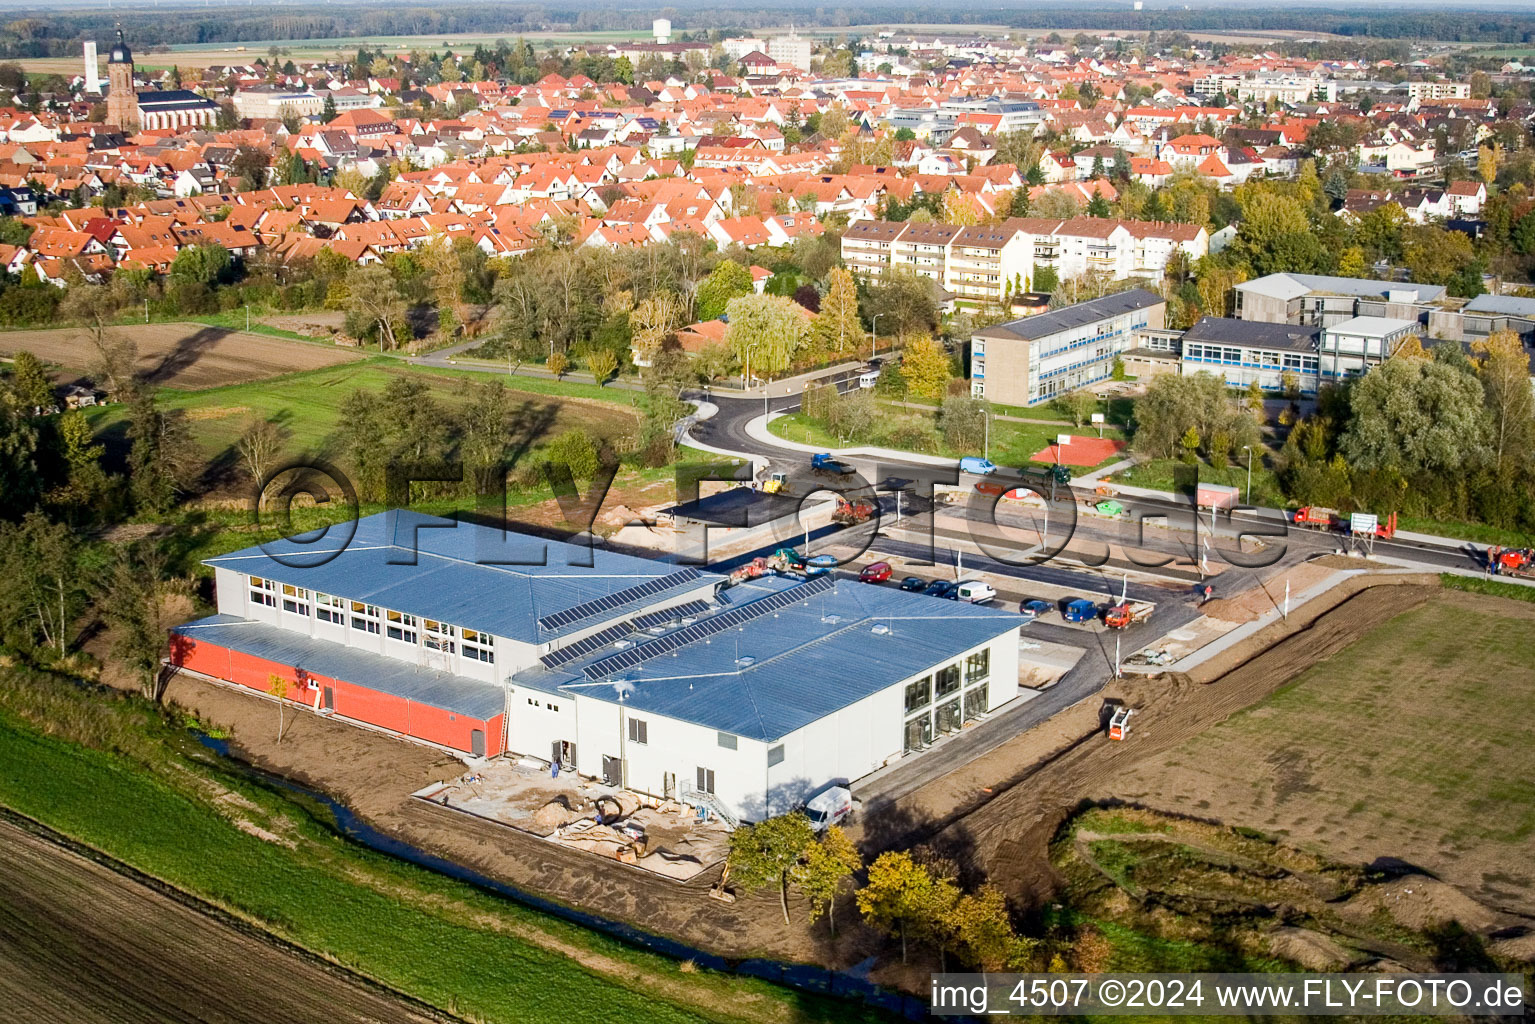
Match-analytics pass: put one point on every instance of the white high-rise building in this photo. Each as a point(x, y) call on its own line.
point(792, 49)
point(92, 77)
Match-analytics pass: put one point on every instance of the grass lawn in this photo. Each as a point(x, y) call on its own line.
point(1478, 532)
point(199, 828)
point(308, 404)
point(1012, 444)
point(1159, 474)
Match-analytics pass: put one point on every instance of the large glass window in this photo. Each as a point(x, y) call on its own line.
point(978, 666)
point(948, 716)
point(948, 679)
point(919, 733)
point(976, 702)
point(919, 694)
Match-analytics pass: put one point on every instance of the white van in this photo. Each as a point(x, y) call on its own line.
point(869, 379)
point(829, 807)
point(976, 592)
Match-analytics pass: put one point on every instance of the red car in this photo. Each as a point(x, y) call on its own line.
point(876, 572)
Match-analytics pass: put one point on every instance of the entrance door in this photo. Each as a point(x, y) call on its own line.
point(329, 699)
point(669, 785)
point(477, 742)
point(612, 770)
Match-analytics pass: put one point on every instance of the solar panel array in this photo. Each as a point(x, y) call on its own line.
point(666, 615)
point(714, 624)
point(586, 645)
point(618, 600)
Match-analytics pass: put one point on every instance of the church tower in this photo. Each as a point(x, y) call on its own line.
point(122, 100)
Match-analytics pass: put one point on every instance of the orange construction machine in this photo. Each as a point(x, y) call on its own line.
point(1516, 562)
point(850, 513)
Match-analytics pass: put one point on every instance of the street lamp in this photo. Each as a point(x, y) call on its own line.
point(874, 335)
point(1249, 450)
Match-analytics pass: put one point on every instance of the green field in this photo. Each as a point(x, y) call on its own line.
point(187, 821)
point(1012, 444)
point(308, 405)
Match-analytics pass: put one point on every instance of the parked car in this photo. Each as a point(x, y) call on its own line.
point(975, 592)
point(913, 583)
point(820, 565)
point(979, 466)
point(1032, 608)
point(938, 588)
point(875, 572)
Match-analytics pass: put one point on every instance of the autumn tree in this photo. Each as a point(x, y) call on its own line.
point(903, 898)
point(837, 330)
point(727, 281)
point(602, 362)
point(925, 366)
point(557, 363)
point(278, 688)
point(375, 308)
point(827, 864)
point(1080, 406)
point(765, 332)
point(1504, 369)
point(983, 933)
point(652, 321)
point(766, 853)
point(1416, 415)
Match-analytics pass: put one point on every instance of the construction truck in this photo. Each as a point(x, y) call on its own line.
point(786, 560)
point(1127, 613)
point(776, 483)
point(1119, 724)
point(824, 463)
point(1516, 562)
point(1360, 524)
point(854, 511)
point(1318, 518)
point(750, 571)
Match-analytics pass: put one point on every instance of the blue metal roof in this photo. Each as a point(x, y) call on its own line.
point(475, 576)
point(458, 694)
point(782, 671)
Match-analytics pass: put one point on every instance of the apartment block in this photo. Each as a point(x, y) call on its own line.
point(1028, 361)
point(980, 262)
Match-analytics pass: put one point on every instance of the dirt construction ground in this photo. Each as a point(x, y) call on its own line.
point(81, 943)
point(186, 356)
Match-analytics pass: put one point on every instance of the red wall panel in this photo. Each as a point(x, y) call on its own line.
point(350, 700)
